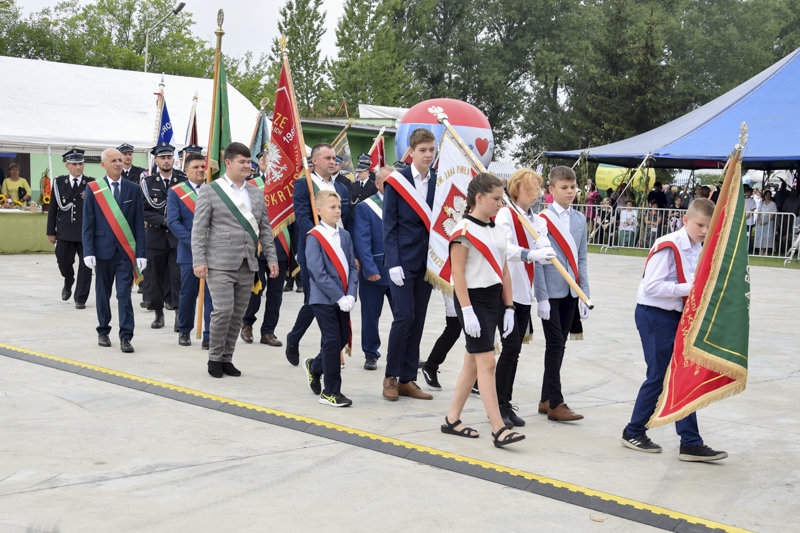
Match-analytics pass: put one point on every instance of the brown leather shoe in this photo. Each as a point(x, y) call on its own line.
point(563, 413)
point(411, 390)
point(543, 407)
point(390, 388)
point(270, 339)
point(247, 334)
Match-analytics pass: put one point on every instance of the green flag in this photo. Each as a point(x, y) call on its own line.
point(221, 132)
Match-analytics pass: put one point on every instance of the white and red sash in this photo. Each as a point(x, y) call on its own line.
point(482, 242)
point(668, 243)
point(335, 253)
point(562, 235)
point(411, 195)
point(523, 239)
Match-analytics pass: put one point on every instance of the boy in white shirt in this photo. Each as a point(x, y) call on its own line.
point(667, 280)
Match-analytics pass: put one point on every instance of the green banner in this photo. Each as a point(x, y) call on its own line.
point(221, 134)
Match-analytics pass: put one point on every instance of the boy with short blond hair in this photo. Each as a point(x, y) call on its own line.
point(332, 294)
point(667, 281)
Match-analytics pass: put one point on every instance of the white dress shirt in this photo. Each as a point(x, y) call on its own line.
point(243, 194)
point(659, 286)
point(421, 183)
point(332, 231)
point(325, 185)
point(477, 270)
point(74, 182)
point(516, 253)
point(380, 195)
point(563, 214)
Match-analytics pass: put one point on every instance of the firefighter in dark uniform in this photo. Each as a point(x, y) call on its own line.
point(64, 227)
point(129, 171)
point(162, 245)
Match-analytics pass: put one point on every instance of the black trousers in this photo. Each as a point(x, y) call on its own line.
point(556, 333)
point(65, 257)
point(274, 289)
point(506, 369)
point(165, 277)
point(445, 342)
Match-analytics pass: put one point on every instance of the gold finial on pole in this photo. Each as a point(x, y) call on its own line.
point(219, 32)
point(742, 137)
point(264, 103)
point(283, 43)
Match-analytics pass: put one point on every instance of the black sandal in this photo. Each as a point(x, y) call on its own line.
point(469, 433)
point(511, 439)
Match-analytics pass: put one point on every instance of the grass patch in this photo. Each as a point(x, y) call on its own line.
point(754, 260)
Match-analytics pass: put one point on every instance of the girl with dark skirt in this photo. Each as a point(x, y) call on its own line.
point(484, 303)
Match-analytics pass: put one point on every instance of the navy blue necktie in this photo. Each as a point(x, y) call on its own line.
point(116, 190)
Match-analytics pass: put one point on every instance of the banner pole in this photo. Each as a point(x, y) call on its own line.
point(438, 112)
point(219, 33)
point(299, 127)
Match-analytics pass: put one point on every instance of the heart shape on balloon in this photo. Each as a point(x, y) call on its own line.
point(482, 145)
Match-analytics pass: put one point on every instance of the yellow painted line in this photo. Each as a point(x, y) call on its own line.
point(433, 451)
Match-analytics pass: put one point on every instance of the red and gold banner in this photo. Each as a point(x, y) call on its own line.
point(710, 357)
point(285, 161)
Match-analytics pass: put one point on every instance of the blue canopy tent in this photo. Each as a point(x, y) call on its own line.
point(768, 103)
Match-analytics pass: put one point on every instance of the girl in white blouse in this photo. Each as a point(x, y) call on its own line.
point(482, 286)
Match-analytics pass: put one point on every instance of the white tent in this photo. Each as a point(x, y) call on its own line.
point(57, 105)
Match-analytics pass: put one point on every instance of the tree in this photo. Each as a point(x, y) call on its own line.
point(301, 23)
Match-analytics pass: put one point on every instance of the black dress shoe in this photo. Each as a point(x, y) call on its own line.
point(80, 305)
point(125, 346)
point(229, 370)
point(175, 328)
point(168, 306)
point(205, 344)
point(158, 323)
point(184, 340)
point(215, 369)
point(371, 363)
point(292, 353)
point(288, 288)
point(144, 304)
point(66, 292)
point(299, 289)
point(104, 341)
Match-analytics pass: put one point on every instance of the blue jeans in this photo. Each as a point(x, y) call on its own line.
point(657, 328)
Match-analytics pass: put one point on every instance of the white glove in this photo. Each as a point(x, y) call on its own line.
point(543, 309)
point(508, 322)
point(450, 311)
point(472, 326)
point(543, 242)
point(141, 263)
point(584, 310)
point(543, 256)
point(397, 275)
point(90, 261)
point(343, 303)
point(351, 301)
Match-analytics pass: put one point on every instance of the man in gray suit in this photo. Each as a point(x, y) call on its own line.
point(558, 305)
point(230, 220)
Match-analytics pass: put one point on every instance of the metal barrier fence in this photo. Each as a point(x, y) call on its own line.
point(769, 234)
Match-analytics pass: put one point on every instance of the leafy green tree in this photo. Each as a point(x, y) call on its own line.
point(302, 23)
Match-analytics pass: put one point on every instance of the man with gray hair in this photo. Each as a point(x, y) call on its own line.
point(114, 245)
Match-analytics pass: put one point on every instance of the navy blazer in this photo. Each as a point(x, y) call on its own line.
point(326, 285)
point(305, 218)
point(179, 221)
point(405, 235)
point(368, 243)
point(98, 237)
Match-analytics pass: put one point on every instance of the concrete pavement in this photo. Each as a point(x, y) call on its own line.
point(163, 470)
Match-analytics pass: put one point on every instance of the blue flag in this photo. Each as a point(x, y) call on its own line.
point(261, 139)
point(165, 128)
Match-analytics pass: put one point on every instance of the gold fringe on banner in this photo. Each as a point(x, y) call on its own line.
point(438, 283)
point(283, 225)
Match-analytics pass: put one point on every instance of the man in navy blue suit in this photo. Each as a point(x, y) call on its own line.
point(113, 240)
point(407, 216)
point(324, 160)
point(373, 278)
point(181, 199)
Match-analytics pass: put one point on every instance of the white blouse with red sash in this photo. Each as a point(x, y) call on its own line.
point(518, 241)
point(487, 251)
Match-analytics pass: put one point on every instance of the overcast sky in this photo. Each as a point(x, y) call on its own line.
point(249, 24)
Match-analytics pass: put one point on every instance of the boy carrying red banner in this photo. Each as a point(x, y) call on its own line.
point(667, 281)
